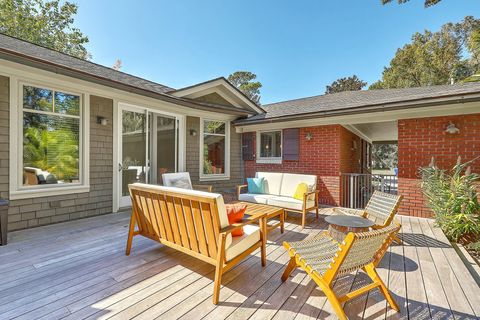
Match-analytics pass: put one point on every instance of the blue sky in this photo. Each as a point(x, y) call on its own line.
point(295, 47)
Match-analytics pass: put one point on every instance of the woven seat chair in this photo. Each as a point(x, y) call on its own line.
point(381, 209)
point(324, 259)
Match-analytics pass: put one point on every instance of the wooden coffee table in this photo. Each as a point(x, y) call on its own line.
point(270, 211)
point(340, 225)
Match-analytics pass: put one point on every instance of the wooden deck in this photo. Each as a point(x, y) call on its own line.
point(78, 270)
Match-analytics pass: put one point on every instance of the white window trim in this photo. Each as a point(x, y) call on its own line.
point(273, 160)
point(215, 177)
point(17, 190)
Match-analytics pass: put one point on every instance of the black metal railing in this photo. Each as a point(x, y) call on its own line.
point(357, 188)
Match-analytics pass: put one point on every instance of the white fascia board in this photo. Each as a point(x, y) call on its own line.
point(9, 69)
point(369, 117)
point(214, 86)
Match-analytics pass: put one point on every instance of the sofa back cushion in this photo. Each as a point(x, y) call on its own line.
point(177, 180)
point(291, 181)
point(273, 182)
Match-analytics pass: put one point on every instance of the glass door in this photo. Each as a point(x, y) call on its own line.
point(133, 155)
point(148, 147)
point(163, 146)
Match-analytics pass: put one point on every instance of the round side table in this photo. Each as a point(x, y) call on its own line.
point(340, 225)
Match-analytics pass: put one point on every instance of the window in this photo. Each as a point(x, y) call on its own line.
point(51, 125)
point(214, 149)
point(270, 146)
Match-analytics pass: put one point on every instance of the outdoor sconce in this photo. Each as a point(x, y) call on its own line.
point(308, 136)
point(102, 120)
point(193, 132)
point(452, 129)
point(354, 145)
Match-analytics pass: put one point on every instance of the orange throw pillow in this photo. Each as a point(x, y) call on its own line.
point(235, 213)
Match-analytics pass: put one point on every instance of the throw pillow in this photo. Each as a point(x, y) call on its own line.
point(302, 188)
point(235, 213)
point(256, 185)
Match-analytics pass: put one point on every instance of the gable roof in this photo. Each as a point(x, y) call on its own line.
point(27, 53)
point(349, 102)
point(223, 81)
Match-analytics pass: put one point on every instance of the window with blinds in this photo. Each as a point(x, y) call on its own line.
point(51, 136)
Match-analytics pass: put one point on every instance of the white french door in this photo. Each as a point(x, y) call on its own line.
point(149, 144)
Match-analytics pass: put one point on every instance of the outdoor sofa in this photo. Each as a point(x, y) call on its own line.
point(195, 223)
point(279, 189)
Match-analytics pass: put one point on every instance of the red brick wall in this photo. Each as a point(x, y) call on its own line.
point(419, 140)
point(325, 155)
point(350, 152)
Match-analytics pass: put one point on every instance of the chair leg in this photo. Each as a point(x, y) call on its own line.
point(288, 270)
point(304, 218)
point(372, 273)
point(316, 211)
point(264, 234)
point(218, 282)
point(337, 306)
point(131, 230)
point(219, 268)
point(282, 221)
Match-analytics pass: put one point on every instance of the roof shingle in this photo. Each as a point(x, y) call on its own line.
point(359, 99)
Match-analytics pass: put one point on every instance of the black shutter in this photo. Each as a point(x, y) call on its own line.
point(248, 146)
point(291, 144)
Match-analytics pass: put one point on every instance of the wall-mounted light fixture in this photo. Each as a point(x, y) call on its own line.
point(193, 132)
point(452, 129)
point(354, 145)
point(309, 136)
point(102, 120)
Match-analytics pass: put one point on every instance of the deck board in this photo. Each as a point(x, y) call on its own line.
point(78, 270)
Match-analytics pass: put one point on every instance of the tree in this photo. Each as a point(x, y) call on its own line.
point(243, 80)
point(428, 3)
point(352, 83)
point(384, 156)
point(433, 58)
point(474, 48)
point(49, 24)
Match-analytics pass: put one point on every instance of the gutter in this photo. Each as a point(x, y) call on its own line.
point(365, 109)
point(75, 73)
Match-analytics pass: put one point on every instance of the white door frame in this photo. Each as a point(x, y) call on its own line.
point(119, 107)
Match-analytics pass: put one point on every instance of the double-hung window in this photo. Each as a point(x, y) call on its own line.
point(50, 153)
point(214, 150)
point(269, 146)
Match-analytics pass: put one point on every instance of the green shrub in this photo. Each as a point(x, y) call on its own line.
point(452, 196)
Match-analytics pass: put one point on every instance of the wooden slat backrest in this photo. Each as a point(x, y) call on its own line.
point(189, 221)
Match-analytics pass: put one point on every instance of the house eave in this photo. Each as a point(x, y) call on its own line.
point(404, 105)
point(78, 74)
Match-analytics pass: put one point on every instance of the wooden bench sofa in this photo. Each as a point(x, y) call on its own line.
point(195, 223)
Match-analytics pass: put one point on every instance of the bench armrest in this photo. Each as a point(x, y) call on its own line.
point(244, 222)
point(307, 194)
point(239, 189)
point(200, 187)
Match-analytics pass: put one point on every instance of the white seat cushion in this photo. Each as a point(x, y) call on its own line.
point(251, 235)
point(291, 181)
point(289, 203)
point(255, 198)
point(272, 180)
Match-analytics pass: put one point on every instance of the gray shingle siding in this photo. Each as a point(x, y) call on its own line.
point(193, 161)
point(26, 213)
